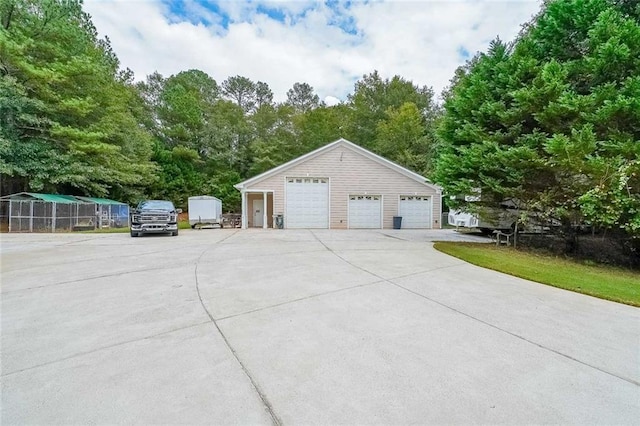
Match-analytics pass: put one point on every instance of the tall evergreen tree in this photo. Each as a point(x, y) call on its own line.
point(68, 112)
point(553, 121)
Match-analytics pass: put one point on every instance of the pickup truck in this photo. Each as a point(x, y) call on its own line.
point(154, 217)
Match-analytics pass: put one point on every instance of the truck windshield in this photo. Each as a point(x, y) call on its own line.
point(156, 204)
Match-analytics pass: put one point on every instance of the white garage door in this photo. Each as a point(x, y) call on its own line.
point(415, 211)
point(365, 211)
point(307, 203)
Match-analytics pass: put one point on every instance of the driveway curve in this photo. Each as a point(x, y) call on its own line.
point(300, 327)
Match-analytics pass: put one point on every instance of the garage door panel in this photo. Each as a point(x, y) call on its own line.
point(365, 211)
point(415, 212)
point(307, 204)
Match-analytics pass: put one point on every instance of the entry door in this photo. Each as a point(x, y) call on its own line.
point(415, 211)
point(307, 204)
point(258, 214)
point(365, 212)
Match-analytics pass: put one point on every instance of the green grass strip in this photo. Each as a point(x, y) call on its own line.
point(605, 282)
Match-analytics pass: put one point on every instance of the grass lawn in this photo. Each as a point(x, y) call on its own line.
point(605, 282)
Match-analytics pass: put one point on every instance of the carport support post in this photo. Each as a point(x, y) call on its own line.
point(264, 210)
point(243, 196)
point(53, 218)
point(31, 217)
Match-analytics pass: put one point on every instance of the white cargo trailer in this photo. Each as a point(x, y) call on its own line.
point(205, 210)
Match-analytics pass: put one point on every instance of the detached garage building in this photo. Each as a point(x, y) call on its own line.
point(340, 186)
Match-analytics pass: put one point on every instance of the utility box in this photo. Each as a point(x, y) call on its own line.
point(205, 210)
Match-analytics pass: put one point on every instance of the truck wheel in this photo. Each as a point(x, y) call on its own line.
point(134, 234)
point(174, 234)
point(193, 226)
point(221, 226)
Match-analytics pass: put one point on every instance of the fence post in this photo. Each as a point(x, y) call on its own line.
point(10, 213)
point(53, 217)
point(31, 217)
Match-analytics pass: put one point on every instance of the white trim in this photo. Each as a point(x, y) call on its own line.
point(265, 221)
point(284, 202)
point(243, 218)
point(348, 212)
point(345, 143)
point(329, 203)
point(439, 215)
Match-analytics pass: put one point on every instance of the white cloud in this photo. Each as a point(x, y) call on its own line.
point(331, 100)
point(418, 40)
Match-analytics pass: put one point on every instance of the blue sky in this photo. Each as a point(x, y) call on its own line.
point(328, 44)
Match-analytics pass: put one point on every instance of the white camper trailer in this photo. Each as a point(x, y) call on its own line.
point(508, 217)
point(486, 219)
point(496, 219)
point(205, 210)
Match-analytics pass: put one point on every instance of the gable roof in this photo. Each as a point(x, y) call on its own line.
point(339, 143)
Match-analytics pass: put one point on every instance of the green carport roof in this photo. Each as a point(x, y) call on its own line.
point(99, 200)
point(52, 198)
point(57, 198)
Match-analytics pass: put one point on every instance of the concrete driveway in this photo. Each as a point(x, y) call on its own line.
point(300, 327)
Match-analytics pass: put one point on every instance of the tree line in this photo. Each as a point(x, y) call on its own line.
point(551, 119)
point(74, 121)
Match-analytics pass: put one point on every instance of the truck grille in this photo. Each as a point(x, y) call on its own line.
point(154, 218)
